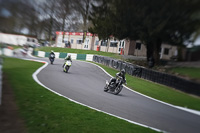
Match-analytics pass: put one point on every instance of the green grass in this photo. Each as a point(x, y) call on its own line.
point(16, 47)
point(78, 51)
point(13, 46)
point(46, 112)
point(158, 91)
point(187, 71)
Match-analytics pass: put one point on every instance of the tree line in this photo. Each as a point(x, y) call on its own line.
point(48, 16)
point(152, 22)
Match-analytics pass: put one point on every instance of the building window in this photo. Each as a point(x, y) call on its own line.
point(103, 43)
point(86, 46)
point(80, 41)
point(72, 41)
point(123, 44)
point(97, 42)
point(138, 46)
point(113, 44)
point(166, 51)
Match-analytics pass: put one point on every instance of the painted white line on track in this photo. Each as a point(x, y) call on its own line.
point(36, 79)
point(177, 107)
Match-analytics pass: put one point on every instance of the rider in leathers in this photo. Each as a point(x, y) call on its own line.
point(51, 55)
point(122, 74)
point(67, 58)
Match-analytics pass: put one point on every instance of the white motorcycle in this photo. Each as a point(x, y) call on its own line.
point(67, 65)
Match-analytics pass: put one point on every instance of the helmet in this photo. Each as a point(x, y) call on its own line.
point(52, 51)
point(123, 71)
point(69, 55)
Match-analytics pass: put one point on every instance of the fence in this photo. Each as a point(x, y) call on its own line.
point(148, 74)
point(1, 78)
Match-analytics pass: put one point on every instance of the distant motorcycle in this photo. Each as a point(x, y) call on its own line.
point(24, 52)
point(51, 58)
point(114, 86)
point(67, 65)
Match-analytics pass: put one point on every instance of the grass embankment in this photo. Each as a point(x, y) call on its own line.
point(78, 51)
point(44, 111)
point(158, 91)
point(187, 71)
point(16, 47)
point(11, 46)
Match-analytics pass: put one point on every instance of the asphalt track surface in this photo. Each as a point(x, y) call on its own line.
point(85, 82)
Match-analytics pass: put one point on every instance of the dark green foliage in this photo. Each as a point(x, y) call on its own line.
point(153, 22)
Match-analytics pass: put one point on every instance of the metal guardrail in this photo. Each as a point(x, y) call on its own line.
point(1, 62)
point(148, 74)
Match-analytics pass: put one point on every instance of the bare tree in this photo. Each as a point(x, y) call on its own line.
point(64, 12)
point(48, 14)
point(83, 7)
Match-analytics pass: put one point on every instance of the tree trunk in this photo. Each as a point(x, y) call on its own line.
point(108, 45)
point(153, 49)
point(50, 29)
point(149, 50)
point(63, 28)
point(156, 55)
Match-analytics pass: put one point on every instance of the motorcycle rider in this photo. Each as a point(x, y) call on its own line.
point(51, 56)
point(68, 57)
point(121, 74)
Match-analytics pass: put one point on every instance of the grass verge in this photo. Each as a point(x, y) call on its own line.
point(13, 46)
point(158, 91)
point(46, 112)
point(187, 71)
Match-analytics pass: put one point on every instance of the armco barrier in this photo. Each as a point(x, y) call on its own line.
point(148, 74)
point(1, 78)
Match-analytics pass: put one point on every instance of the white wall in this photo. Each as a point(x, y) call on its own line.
point(12, 39)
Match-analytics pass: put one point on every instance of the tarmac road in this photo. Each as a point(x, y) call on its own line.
point(85, 82)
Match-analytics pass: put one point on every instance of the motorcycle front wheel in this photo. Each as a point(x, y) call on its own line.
point(118, 90)
point(106, 88)
point(66, 69)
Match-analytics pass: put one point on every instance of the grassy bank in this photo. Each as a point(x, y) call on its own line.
point(158, 91)
point(79, 51)
point(187, 71)
point(46, 112)
point(13, 46)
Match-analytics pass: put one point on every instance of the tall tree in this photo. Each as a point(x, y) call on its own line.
point(83, 7)
point(172, 21)
point(101, 17)
point(64, 6)
point(49, 12)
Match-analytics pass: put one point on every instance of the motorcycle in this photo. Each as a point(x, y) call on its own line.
point(114, 86)
point(52, 56)
point(67, 65)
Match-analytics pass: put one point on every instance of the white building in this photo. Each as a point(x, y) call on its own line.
point(14, 39)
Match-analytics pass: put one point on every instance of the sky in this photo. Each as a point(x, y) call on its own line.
point(197, 42)
point(4, 12)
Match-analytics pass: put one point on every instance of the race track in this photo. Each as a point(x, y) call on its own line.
point(85, 82)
